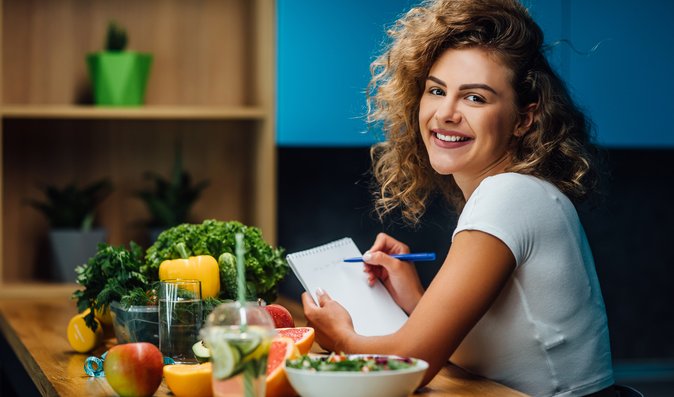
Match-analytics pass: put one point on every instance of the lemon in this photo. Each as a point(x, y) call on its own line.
point(81, 338)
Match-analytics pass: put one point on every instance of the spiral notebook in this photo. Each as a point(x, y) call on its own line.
point(372, 309)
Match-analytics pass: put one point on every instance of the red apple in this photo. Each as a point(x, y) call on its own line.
point(281, 316)
point(134, 369)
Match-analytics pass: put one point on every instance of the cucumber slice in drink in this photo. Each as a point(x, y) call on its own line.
point(201, 352)
point(224, 358)
point(248, 343)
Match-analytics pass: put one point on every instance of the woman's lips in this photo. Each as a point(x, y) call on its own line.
point(450, 139)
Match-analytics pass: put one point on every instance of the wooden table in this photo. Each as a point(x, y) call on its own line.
point(33, 323)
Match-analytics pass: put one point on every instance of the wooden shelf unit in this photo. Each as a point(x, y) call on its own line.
point(211, 88)
point(150, 112)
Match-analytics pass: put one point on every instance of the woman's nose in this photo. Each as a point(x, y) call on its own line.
point(447, 112)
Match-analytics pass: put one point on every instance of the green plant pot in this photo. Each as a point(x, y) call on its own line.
point(119, 78)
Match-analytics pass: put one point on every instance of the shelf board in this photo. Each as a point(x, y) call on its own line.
point(27, 290)
point(148, 112)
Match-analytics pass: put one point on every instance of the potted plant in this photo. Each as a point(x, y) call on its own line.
point(169, 201)
point(71, 212)
point(119, 77)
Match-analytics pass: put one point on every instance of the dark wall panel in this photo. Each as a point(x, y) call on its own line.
point(324, 195)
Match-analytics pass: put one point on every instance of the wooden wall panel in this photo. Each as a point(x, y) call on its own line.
point(63, 151)
point(200, 47)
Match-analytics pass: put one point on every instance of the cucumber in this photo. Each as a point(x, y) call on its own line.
point(224, 358)
point(247, 346)
point(201, 352)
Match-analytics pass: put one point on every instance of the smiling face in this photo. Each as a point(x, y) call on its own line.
point(468, 116)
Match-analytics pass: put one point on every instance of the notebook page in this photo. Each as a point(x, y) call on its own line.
point(372, 309)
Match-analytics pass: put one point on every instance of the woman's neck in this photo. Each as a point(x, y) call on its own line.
point(468, 182)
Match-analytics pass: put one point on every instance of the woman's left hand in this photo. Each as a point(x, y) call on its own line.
point(331, 322)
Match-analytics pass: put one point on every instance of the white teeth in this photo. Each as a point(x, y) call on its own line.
point(450, 138)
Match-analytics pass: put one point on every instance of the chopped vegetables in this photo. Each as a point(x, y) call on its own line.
point(359, 363)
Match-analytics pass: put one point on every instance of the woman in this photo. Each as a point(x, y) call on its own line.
point(473, 110)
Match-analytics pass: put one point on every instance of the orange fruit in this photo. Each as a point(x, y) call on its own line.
point(277, 384)
point(189, 380)
point(303, 337)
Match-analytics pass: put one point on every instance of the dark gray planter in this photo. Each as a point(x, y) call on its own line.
point(72, 248)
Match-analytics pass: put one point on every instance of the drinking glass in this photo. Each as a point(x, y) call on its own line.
point(180, 319)
point(238, 337)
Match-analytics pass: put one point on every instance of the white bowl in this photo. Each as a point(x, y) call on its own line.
point(393, 383)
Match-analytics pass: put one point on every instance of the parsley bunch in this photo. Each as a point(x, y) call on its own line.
point(113, 274)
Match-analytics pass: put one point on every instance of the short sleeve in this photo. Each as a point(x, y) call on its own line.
point(510, 207)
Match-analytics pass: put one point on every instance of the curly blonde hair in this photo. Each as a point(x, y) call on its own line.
point(555, 148)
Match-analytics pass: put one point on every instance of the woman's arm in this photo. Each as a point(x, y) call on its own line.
point(475, 271)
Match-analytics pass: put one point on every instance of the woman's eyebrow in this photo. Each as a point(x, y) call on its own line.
point(463, 87)
point(477, 85)
point(437, 80)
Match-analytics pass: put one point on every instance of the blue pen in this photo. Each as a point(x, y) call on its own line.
point(416, 257)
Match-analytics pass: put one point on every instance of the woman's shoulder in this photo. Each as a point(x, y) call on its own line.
point(515, 192)
point(512, 183)
point(513, 179)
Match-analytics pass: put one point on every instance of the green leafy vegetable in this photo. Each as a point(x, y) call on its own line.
point(110, 275)
point(344, 363)
point(265, 265)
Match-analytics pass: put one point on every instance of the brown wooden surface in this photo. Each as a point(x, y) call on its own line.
point(35, 328)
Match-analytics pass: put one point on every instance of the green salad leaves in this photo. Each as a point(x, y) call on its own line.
point(265, 265)
point(356, 363)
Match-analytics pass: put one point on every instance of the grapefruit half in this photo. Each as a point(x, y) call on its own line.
point(277, 384)
point(303, 337)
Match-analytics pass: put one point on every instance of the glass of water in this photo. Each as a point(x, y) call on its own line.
point(239, 337)
point(180, 319)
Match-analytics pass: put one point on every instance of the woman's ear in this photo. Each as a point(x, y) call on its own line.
point(526, 120)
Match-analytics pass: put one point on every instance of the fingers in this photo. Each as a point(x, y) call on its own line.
point(380, 259)
point(374, 272)
point(379, 242)
point(322, 296)
point(307, 301)
point(388, 244)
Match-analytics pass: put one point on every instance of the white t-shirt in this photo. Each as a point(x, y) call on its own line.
point(546, 334)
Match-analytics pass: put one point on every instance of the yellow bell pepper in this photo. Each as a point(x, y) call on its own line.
point(202, 267)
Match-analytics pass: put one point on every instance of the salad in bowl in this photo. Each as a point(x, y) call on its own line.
point(355, 375)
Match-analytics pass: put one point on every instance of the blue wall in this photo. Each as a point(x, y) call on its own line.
point(625, 85)
point(324, 54)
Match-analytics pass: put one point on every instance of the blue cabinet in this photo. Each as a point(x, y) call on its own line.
point(625, 85)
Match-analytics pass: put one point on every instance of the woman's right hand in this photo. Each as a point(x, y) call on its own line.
point(399, 277)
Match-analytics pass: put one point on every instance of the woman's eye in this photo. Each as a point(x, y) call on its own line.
point(475, 98)
point(436, 91)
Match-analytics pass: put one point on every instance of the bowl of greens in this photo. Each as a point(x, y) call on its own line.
point(356, 375)
point(135, 323)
